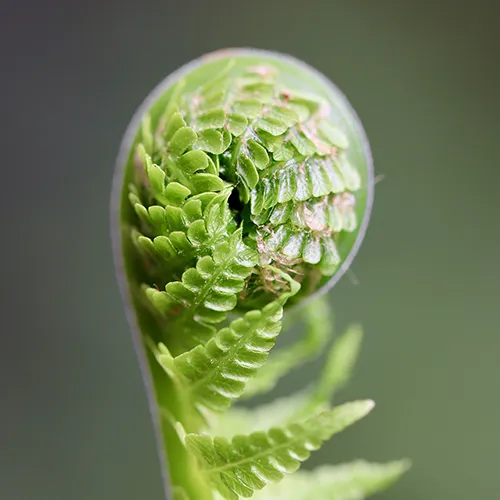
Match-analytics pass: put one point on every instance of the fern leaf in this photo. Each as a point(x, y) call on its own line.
point(352, 481)
point(335, 375)
point(331, 212)
point(319, 323)
point(248, 463)
point(218, 371)
point(300, 180)
point(206, 292)
point(174, 235)
point(280, 151)
point(304, 229)
point(340, 364)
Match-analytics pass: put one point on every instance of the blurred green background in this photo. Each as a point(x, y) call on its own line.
point(424, 77)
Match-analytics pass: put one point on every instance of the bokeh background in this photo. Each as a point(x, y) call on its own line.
point(424, 77)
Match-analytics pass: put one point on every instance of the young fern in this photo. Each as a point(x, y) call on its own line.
point(243, 188)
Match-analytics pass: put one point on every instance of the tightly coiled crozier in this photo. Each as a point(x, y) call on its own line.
point(240, 185)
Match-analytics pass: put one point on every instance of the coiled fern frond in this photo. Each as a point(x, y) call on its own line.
point(243, 189)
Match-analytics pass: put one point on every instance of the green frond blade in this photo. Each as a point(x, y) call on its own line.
point(351, 481)
point(335, 375)
point(183, 139)
point(207, 292)
point(218, 371)
point(214, 118)
point(211, 141)
point(193, 161)
point(333, 135)
point(183, 229)
point(236, 123)
point(175, 123)
point(247, 463)
point(340, 363)
point(337, 371)
point(249, 108)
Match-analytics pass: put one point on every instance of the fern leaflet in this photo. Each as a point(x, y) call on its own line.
point(335, 375)
point(248, 463)
point(218, 371)
point(350, 481)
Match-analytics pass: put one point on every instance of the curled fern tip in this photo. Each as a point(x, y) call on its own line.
point(243, 187)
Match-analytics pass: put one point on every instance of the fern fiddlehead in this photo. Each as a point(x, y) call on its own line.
point(243, 187)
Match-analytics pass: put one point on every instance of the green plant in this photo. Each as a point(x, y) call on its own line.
point(244, 187)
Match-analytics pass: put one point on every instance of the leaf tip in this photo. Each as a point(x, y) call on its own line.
point(370, 404)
